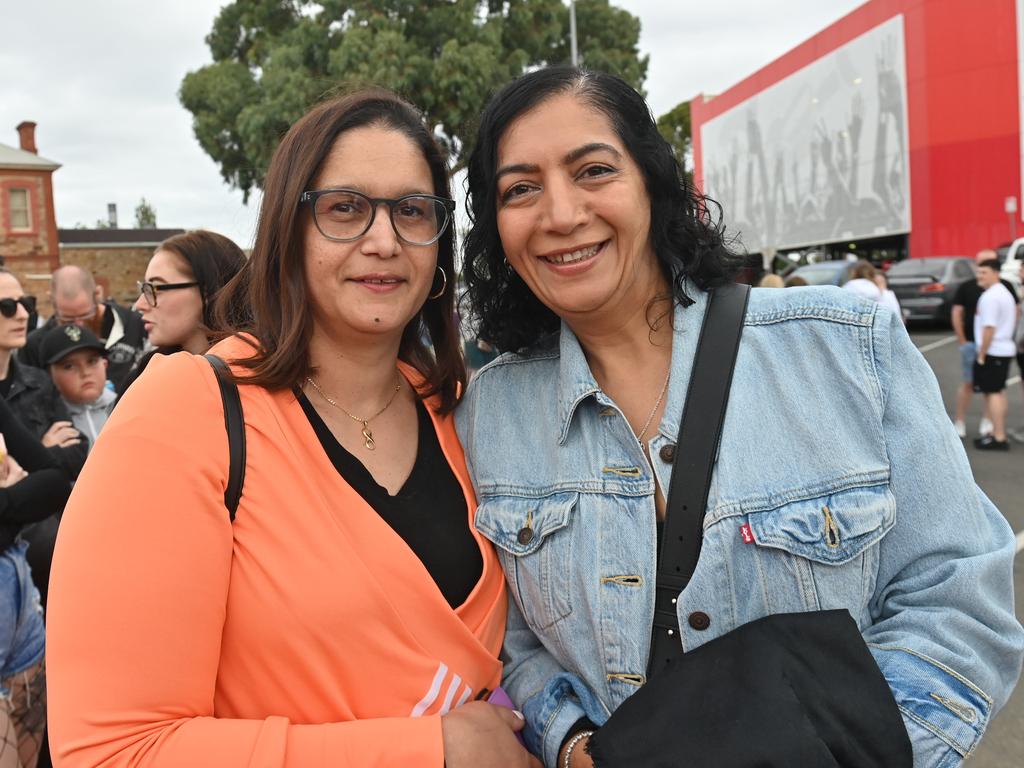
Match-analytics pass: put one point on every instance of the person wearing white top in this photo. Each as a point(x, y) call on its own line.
point(994, 324)
point(888, 298)
point(862, 281)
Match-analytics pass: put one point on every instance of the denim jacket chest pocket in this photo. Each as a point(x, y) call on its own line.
point(535, 550)
point(828, 544)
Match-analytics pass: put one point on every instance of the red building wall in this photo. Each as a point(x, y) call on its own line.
point(962, 109)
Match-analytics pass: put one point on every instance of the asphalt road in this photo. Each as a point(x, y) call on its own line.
point(999, 475)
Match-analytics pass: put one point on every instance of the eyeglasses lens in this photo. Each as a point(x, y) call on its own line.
point(346, 216)
point(419, 219)
point(148, 291)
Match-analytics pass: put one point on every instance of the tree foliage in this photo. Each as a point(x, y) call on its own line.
point(675, 127)
point(273, 59)
point(145, 215)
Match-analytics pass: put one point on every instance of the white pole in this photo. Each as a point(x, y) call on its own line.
point(572, 35)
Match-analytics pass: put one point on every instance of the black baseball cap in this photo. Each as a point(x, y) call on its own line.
point(61, 341)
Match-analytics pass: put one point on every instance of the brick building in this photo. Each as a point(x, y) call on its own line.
point(117, 257)
point(28, 225)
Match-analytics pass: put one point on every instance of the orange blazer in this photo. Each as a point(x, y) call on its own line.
point(305, 634)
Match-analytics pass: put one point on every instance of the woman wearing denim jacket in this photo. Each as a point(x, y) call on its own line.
point(840, 483)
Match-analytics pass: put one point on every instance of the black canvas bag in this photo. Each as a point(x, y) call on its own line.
point(786, 690)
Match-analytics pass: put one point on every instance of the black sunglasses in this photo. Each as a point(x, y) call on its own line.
point(9, 307)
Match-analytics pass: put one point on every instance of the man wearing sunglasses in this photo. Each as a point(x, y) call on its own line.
point(77, 301)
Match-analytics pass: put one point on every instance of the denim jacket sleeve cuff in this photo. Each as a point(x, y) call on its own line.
point(553, 710)
point(945, 714)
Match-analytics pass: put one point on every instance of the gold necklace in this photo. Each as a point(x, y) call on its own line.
point(367, 432)
point(654, 410)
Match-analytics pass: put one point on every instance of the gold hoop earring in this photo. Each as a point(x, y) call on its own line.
point(444, 284)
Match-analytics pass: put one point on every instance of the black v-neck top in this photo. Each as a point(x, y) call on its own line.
point(429, 511)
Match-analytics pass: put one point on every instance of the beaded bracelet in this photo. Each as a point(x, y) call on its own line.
point(572, 745)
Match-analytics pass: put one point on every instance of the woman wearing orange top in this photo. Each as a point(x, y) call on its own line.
point(349, 616)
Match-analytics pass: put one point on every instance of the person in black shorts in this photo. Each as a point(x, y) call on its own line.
point(994, 323)
point(965, 304)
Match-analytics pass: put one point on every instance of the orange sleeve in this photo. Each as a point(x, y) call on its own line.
point(137, 605)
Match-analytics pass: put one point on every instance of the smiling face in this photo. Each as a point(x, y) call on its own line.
point(176, 319)
point(377, 283)
point(573, 212)
point(13, 330)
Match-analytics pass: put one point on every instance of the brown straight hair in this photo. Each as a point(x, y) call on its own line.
point(269, 298)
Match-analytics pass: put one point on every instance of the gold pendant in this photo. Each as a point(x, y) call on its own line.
point(368, 438)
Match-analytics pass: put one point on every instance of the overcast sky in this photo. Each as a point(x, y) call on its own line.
point(101, 77)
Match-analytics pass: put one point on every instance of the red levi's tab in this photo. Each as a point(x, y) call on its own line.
point(747, 534)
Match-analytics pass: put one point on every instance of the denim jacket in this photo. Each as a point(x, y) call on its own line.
point(840, 483)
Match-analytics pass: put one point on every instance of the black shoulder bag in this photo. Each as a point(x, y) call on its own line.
point(234, 423)
point(783, 691)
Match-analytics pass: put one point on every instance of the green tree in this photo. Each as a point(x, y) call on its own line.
point(145, 215)
point(273, 59)
point(675, 127)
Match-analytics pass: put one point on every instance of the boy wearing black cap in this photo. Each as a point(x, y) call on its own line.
point(77, 362)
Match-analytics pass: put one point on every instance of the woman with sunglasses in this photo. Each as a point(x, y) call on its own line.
point(349, 616)
point(32, 488)
point(176, 296)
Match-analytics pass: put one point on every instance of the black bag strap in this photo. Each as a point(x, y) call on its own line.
point(699, 432)
point(234, 423)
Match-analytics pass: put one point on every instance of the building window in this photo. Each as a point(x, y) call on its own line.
point(21, 217)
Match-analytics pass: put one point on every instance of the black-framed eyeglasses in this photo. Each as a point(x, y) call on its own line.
point(9, 307)
point(150, 291)
point(345, 215)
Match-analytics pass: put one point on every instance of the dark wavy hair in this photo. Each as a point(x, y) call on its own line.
point(269, 298)
point(211, 258)
point(686, 234)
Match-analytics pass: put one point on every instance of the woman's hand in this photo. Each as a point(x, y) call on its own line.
point(579, 758)
point(11, 472)
point(62, 434)
point(482, 735)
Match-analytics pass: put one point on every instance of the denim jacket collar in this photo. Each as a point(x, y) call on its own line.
point(576, 382)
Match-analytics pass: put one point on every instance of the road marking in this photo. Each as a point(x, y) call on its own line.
point(936, 344)
point(1020, 541)
point(1013, 380)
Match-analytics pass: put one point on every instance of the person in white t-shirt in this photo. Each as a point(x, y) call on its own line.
point(862, 280)
point(994, 324)
point(888, 298)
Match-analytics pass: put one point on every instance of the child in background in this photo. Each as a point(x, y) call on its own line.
point(77, 362)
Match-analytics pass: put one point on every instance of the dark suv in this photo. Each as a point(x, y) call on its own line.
point(925, 287)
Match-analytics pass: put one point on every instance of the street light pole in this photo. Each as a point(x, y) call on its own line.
point(572, 35)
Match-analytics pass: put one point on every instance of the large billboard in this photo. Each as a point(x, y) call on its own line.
point(820, 156)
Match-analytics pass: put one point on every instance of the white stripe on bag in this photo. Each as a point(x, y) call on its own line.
point(435, 688)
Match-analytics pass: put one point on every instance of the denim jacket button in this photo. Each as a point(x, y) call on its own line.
point(668, 453)
point(699, 620)
point(525, 536)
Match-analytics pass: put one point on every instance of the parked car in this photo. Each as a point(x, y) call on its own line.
point(925, 286)
point(824, 272)
point(1011, 264)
